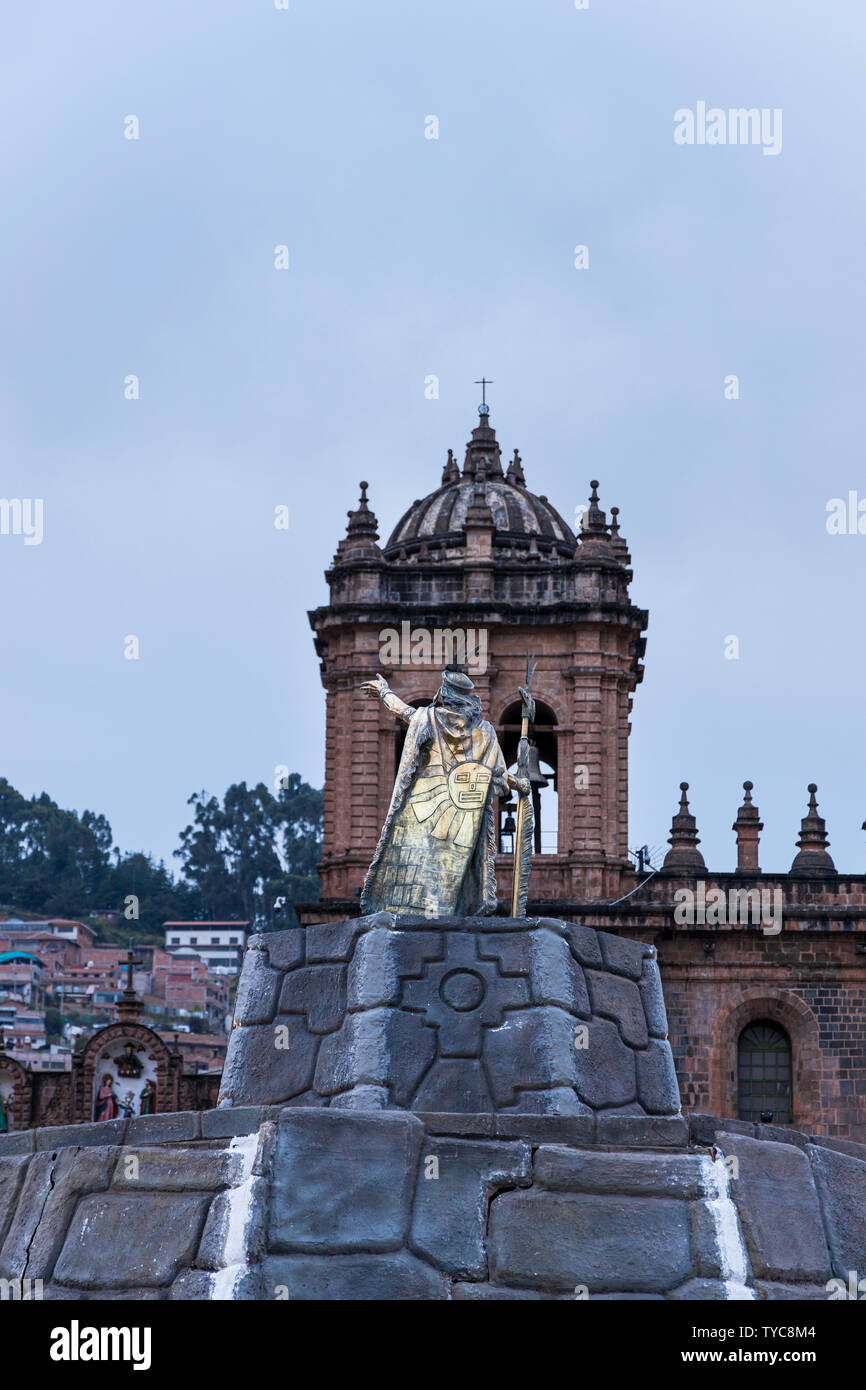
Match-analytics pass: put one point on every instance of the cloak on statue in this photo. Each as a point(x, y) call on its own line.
point(436, 854)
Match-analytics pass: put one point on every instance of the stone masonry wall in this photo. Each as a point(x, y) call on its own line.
point(485, 1014)
point(311, 1203)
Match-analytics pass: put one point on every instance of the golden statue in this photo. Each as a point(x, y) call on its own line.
point(436, 853)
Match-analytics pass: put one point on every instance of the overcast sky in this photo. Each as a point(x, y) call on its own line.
point(409, 256)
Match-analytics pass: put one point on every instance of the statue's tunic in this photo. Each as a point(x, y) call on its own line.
point(437, 849)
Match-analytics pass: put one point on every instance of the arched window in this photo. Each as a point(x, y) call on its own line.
point(544, 790)
point(764, 1073)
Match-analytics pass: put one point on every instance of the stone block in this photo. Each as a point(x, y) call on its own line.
point(380, 1047)
point(779, 1134)
point(841, 1183)
point(47, 1204)
point(657, 1087)
point(622, 956)
point(554, 978)
point(319, 993)
point(163, 1129)
point(654, 1132)
point(794, 1293)
point(174, 1170)
point(605, 1068)
point(841, 1146)
point(124, 1240)
point(81, 1136)
point(192, 1285)
point(269, 1063)
point(383, 959)
point(342, 1182)
point(13, 1170)
point(704, 1128)
point(397, 1277)
point(778, 1209)
point(584, 944)
point(546, 1129)
point(335, 941)
point(456, 1180)
point(531, 1048)
point(652, 997)
point(552, 1100)
point(630, 1174)
point(611, 1243)
point(258, 987)
point(454, 1084)
point(468, 1126)
point(229, 1123)
point(490, 1293)
point(285, 948)
point(362, 1098)
point(619, 999)
point(701, 1291)
point(21, 1142)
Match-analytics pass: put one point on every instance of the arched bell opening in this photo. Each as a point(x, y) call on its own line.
point(543, 777)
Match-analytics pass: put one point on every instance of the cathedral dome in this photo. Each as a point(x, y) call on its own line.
point(515, 510)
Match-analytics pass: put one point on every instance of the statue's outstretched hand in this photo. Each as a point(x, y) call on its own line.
point(375, 689)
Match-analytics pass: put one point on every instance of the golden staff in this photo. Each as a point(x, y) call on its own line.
point(523, 832)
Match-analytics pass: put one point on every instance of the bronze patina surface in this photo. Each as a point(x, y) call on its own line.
point(436, 853)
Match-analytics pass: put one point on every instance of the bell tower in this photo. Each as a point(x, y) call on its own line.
point(478, 573)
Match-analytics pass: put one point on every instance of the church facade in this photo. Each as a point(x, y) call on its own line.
point(764, 974)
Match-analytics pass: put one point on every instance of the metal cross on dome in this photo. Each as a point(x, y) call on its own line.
point(484, 383)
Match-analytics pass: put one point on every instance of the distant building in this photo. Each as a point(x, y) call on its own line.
point(219, 944)
point(184, 985)
point(22, 978)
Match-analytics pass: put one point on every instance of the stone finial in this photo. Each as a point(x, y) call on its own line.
point(362, 533)
point(594, 536)
point(684, 841)
point(618, 543)
point(362, 522)
point(451, 472)
point(483, 445)
point(748, 827)
point(514, 473)
point(813, 858)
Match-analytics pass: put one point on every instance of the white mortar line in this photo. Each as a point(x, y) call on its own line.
point(729, 1239)
point(240, 1203)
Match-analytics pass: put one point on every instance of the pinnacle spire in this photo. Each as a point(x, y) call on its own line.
point(451, 472)
point(812, 844)
point(618, 543)
point(684, 840)
point(362, 532)
point(514, 473)
point(482, 451)
point(747, 828)
point(594, 537)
